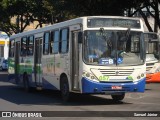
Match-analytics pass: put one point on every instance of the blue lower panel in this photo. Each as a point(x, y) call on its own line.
point(89, 86)
point(13, 78)
point(48, 85)
point(18, 79)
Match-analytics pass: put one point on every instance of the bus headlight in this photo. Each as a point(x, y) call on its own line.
point(138, 77)
point(89, 76)
point(142, 75)
point(92, 77)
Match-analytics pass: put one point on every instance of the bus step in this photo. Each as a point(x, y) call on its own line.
point(39, 88)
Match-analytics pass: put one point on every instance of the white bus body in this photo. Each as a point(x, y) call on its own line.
point(61, 57)
point(152, 50)
point(152, 44)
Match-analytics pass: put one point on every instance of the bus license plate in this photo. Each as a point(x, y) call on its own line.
point(116, 87)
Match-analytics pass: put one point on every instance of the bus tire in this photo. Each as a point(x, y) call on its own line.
point(26, 83)
point(118, 97)
point(64, 87)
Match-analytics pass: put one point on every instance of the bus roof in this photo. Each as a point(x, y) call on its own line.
point(62, 24)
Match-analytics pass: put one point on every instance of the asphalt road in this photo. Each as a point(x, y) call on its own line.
point(13, 98)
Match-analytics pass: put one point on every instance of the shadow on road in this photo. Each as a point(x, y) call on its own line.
point(3, 75)
point(17, 95)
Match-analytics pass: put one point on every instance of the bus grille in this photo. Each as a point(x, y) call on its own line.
point(116, 72)
point(149, 66)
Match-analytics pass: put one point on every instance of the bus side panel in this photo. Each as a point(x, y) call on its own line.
point(49, 80)
point(11, 70)
point(26, 66)
point(53, 66)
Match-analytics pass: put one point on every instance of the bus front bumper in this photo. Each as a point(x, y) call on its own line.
point(89, 86)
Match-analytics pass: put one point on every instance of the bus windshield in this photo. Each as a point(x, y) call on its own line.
point(113, 48)
point(151, 43)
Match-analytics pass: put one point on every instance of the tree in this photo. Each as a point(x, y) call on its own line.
point(14, 8)
point(93, 7)
point(25, 12)
point(149, 5)
point(53, 11)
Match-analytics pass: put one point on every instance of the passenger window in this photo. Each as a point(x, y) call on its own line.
point(55, 44)
point(24, 46)
point(64, 40)
point(30, 46)
point(46, 43)
point(11, 48)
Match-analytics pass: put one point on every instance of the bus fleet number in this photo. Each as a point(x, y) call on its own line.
point(103, 78)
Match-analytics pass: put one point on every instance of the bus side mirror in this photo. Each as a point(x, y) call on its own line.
point(80, 37)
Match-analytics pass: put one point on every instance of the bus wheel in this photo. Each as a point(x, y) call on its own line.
point(26, 83)
point(118, 97)
point(64, 87)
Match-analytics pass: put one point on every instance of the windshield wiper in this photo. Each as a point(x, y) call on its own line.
point(128, 34)
point(109, 43)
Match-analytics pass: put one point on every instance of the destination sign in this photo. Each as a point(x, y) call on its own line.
point(113, 22)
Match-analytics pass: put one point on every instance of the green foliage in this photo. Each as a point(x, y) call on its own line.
point(150, 6)
point(53, 11)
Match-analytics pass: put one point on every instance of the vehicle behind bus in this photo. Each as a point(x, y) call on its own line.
point(89, 55)
point(3, 64)
point(152, 57)
point(4, 42)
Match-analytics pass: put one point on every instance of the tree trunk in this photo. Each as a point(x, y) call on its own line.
point(146, 21)
point(157, 20)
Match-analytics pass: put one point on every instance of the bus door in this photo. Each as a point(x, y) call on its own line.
point(75, 58)
point(17, 65)
point(37, 62)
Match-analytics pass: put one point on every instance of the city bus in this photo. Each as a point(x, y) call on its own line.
point(152, 57)
point(4, 45)
point(87, 55)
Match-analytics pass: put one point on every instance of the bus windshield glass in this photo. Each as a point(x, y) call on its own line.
point(151, 43)
point(112, 48)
